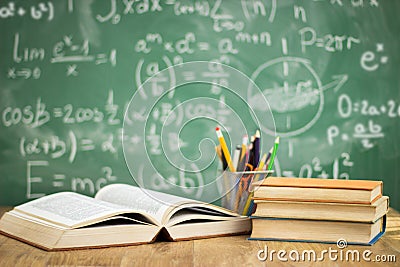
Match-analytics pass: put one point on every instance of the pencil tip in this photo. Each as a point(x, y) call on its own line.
point(277, 140)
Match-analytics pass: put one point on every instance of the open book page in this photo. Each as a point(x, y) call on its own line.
point(108, 220)
point(70, 209)
point(156, 204)
point(37, 220)
point(189, 214)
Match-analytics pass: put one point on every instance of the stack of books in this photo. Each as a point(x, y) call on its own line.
point(319, 210)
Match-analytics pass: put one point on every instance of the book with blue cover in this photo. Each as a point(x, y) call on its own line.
point(319, 210)
point(300, 230)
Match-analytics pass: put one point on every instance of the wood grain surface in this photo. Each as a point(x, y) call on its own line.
point(223, 251)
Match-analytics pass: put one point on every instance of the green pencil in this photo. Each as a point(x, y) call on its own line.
point(271, 162)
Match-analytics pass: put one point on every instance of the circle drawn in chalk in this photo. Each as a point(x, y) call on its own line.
point(294, 91)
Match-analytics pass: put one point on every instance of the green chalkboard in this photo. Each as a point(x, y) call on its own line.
point(99, 92)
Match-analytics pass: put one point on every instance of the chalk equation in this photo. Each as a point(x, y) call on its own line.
point(70, 69)
point(42, 11)
point(339, 169)
point(66, 52)
point(39, 113)
point(61, 180)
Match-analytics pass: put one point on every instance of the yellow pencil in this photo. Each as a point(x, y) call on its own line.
point(261, 164)
point(260, 167)
point(225, 149)
point(248, 202)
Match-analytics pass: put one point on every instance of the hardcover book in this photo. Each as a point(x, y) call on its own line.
point(318, 190)
point(118, 215)
point(323, 210)
point(317, 230)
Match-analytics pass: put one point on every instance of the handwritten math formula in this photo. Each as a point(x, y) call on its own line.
point(70, 69)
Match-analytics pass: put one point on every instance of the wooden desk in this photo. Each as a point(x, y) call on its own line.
point(224, 251)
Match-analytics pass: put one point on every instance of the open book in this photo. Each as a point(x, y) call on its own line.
point(118, 215)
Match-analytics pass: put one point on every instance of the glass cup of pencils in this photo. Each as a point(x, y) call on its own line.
point(245, 167)
point(236, 190)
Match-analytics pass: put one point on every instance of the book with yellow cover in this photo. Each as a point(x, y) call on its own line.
point(318, 190)
point(118, 215)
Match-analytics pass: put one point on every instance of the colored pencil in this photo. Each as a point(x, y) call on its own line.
point(225, 149)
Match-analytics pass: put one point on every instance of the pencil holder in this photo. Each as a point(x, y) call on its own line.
point(235, 189)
